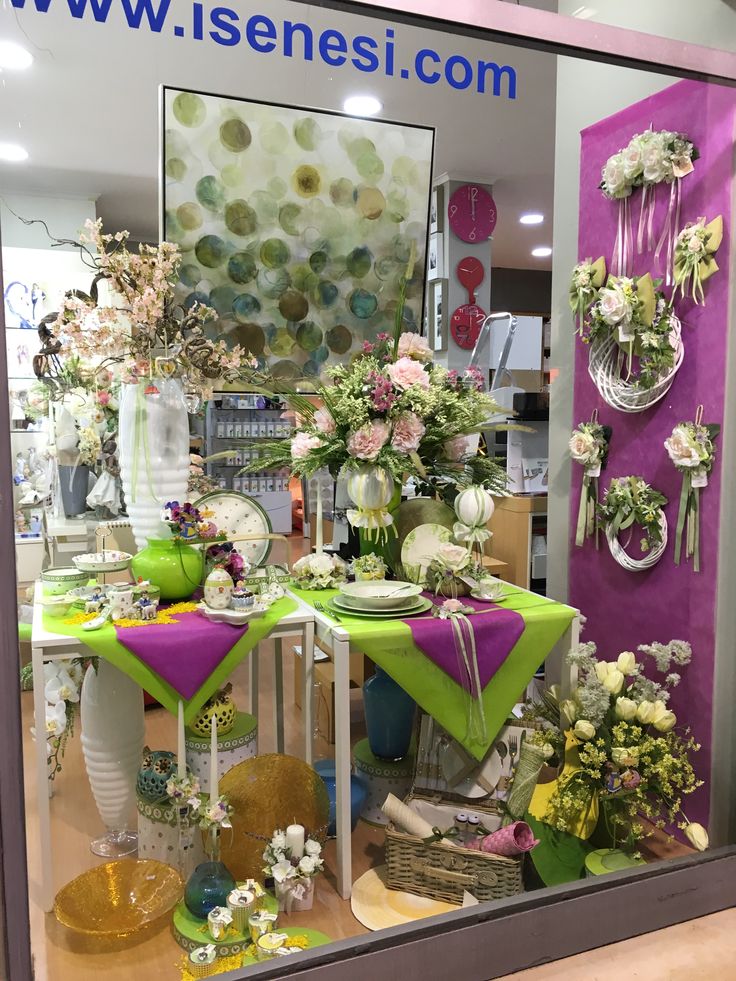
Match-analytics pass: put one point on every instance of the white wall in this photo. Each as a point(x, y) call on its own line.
point(65, 216)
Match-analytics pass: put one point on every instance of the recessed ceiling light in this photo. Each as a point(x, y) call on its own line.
point(541, 251)
point(362, 105)
point(532, 218)
point(12, 153)
point(14, 57)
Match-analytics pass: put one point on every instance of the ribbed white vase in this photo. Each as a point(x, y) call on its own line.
point(113, 735)
point(154, 453)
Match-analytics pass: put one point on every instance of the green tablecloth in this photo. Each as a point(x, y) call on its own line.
point(104, 642)
point(389, 644)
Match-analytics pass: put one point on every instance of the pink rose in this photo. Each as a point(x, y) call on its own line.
point(406, 372)
point(324, 422)
point(302, 445)
point(103, 397)
point(367, 442)
point(408, 432)
point(414, 346)
point(452, 605)
point(456, 448)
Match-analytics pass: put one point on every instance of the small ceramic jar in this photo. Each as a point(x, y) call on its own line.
point(218, 920)
point(121, 602)
point(269, 944)
point(201, 961)
point(218, 589)
point(240, 902)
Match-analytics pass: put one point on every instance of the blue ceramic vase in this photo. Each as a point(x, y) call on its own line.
point(389, 716)
point(208, 886)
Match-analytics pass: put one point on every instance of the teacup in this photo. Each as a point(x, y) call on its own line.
point(489, 589)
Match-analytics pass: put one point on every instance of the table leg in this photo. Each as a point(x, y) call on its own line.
point(279, 690)
point(308, 692)
point(341, 655)
point(253, 686)
point(42, 783)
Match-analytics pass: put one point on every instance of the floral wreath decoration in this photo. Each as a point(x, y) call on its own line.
point(691, 448)
point(589, 447)
point(628, 319)
point(629, 501)
point(651, 158)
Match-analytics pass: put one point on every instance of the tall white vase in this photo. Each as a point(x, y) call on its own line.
point(113, 734)
point(154, 453)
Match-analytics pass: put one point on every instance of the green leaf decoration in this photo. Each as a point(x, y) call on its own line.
point(715, 229)
point(645, 289)
point(599, 276)
point(559, 857)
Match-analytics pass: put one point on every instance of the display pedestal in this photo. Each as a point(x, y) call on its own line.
point(158, 836)
point(239, 744)
point(382, 777)
point(191, 932)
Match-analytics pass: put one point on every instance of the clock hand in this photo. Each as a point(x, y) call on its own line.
point(473, 199)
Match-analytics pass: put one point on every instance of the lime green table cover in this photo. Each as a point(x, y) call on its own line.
point(389, 644)
point(104, 643)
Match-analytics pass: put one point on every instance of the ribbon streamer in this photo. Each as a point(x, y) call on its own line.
point(376, 520)
point(473, 534)
point(688, 522)
point(467, 655)
point(588, 523)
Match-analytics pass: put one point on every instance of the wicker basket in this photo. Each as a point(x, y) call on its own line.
point(444, 872)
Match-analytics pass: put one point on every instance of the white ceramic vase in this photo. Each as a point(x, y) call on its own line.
point(113, 734)
point(154, 453)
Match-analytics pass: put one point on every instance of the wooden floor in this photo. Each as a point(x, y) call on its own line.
point(701, 949)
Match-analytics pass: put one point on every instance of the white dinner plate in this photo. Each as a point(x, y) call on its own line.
point(420, 547)
point(237, 514)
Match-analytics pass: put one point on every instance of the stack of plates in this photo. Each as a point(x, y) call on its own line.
point(380, 600)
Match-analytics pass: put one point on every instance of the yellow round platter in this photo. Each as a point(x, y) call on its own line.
point(119, 900)
point(269, 792)
point(377, 907)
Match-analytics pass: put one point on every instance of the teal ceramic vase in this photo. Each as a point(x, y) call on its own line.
point(389, 716)
point(172, 565)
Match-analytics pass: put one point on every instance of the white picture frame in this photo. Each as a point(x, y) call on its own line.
point(435, 257)
point(437, 315)
point(437, 210)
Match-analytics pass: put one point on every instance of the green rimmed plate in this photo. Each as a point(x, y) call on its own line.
point(420, 546)
point(237, 514)
point(340, 612)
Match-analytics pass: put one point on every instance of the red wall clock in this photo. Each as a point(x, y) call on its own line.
point(471, 213)
point(466, 321)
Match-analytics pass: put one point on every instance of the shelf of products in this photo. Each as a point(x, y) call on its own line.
point(236, 423)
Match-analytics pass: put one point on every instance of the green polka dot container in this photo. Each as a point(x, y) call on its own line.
point(158, 836)
point(383, 777)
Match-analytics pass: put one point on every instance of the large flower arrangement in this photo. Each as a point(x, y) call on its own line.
point(394, 410)
point(141, 319)
point(622, 751)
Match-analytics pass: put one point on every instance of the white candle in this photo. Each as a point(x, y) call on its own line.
point(318, 530)
point(213, 761)
point(181, 751)
point(295, 840)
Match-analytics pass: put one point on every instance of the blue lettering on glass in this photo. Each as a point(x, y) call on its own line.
point(333, 48)
point(365, 59)
point(293, 39)
point(261, 33)
point(225, 20)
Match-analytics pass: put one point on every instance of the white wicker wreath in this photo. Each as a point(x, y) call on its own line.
point(606, 369)
point(650, 559)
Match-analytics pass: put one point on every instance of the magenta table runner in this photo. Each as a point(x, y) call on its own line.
point(496, 632)
point(184, 654)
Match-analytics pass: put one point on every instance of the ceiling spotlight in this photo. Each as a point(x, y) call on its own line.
point(12, 153)
point(541, 251)
point(532, 218)
point(14, 57)
point(362, 105)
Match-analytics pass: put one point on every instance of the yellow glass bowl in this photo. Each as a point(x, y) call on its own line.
point(119, 899)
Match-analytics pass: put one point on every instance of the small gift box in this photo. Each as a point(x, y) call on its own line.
point(202, 961)
point(240, 903)
point(218, 920)
point(261, 923)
